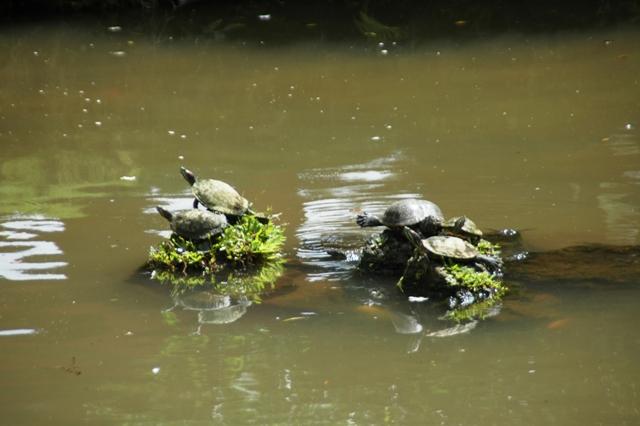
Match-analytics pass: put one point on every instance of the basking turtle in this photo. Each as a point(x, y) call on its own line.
point(216, 195)
point(426, 215)
point(464, 227)
point(451, 248)
point(194, 224)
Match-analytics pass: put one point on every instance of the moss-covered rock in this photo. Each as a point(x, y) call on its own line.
point(244, 260)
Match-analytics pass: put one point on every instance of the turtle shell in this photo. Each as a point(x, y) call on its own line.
point(469, 227)
point(411, 212)
point(220, 197)
point(196, 224)
point(450, 247)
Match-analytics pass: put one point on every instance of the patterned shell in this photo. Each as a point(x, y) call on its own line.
point(410, 212)
point(220, 197)
point(451, 247)
point(196, 224)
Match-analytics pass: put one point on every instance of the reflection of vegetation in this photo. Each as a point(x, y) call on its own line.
point(374, 29)
point(250, 283)
point(45, 183)
point(476, 310)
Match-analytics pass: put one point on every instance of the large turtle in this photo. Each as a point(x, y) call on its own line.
point(451, 248)
point(422, 214)
point(216, 195)
point(193, 224)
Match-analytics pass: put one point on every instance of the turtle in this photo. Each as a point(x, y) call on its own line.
point(193, 224)
point(216, 195)
point(451, 248)
point(219, 196)
point(464, 227)
point(422, 214)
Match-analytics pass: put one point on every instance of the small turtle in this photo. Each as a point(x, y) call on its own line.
point(426, 215)
point(464, 227)
point(194, 224)
point(216, 195)
point(451, 248)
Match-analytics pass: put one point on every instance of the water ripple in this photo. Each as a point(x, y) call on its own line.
point(18, 245)
point(333, 197)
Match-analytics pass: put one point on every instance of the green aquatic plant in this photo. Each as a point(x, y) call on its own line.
point(473, 280)
point(242, 261)
point(180, 255)
point(488, 248)
point(250, 241)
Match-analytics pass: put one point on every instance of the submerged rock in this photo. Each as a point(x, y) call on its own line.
point(586, 263)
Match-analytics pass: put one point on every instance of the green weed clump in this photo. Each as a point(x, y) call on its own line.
point(250, 241)
point(488, 248)
point(243, 259)
point(473, 280)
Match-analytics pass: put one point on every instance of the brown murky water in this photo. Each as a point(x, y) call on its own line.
point(533, 133)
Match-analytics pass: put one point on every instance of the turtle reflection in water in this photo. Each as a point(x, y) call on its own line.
point(212, 307)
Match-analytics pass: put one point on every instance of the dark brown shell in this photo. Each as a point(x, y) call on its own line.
point(411, 212)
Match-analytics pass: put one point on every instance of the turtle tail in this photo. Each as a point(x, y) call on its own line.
point(164, 213)
point(364, 220)
point(188, 175)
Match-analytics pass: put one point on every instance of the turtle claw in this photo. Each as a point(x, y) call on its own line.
point(362, 219)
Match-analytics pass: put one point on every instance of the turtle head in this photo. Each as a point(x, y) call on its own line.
point(413, 237)
point(164, 213)
point(188, 175)
point(459, 223)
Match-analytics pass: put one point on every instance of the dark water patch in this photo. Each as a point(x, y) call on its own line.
point(593, 263)
point(283, 22)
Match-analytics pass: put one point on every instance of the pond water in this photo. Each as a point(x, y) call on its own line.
point(537, 133)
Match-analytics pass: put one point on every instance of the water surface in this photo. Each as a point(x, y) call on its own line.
point(535, 133)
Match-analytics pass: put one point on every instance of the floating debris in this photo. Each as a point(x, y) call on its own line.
point(128, 178)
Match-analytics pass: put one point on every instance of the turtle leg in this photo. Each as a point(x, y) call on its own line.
point(195, 203)
point(364, 220)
